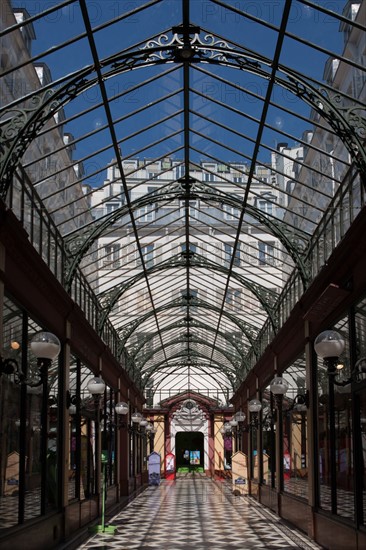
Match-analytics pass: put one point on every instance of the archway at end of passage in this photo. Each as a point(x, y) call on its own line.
point(189, 449)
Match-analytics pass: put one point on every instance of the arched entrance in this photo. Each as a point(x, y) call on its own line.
point(189, 451)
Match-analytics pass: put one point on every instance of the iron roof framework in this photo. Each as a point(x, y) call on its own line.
point(217, 85)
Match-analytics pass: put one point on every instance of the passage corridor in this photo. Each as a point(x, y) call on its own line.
point(194, 513)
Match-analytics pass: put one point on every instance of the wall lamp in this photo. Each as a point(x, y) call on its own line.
point(137, 420)
point(254, 406)
point(234, 426)
point(72, 402)
point(8, 366)
point(279, 387)
point(45, 346)
point(95, 386)
point(151, 431)
point(121, 410)
point(226, 429)
point(329, 345)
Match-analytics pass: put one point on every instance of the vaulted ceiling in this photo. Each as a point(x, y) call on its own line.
point(217, 82)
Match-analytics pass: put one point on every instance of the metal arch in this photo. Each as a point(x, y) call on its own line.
point(192, 340)
point(180, 365)
point(249, 330)
point(133, 351)
point(18, 131)
point(194, 354)
point(79, 243)
point(266, 298)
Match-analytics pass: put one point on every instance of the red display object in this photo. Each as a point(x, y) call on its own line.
point(286, 465)
point(169, 466)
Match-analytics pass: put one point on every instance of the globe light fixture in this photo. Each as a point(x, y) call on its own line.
point(72, 409)
point(254, 406)
point(329, 345)
point(278, 387)
point(96, 386)
point(240, 416)
point(45, 345)
point(136, 418)
point(121, 408)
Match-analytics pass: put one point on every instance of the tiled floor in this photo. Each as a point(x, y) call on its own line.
point(194, 513)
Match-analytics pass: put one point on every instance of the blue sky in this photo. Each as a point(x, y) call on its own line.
point(66, 23)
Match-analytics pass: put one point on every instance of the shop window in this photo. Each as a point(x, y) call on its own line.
point(336, 492)
point(24, 472)
point(295, 445)
point(268, 440)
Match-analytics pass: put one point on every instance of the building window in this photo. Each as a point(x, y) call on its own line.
point(266, 253)
point(192, 247)
point(228, 252)
point(146, 214)
point(192, 209)
point(265, 206)
point(231, 213)
point(179, 171)
point(148, 255)
point(233, 298)
point(112, 255)
point(111, 207)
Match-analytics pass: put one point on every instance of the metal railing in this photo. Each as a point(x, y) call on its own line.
point(342, 211)
point(46, 239)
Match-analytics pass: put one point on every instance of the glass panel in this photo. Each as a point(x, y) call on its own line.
point(362, 476)
point(109, 437)
point(344, 457)
point(9, 452)
point(228, 451)
point(343, 450)
point(295, 457)
point(324, 450)
point(269, 439)
point(254, 474)
point(360, 325)
point(33, 452)
point(20, 425)
point(34, 459)
point(74, 478)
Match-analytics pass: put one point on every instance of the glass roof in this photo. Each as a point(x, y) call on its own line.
point(187, 153)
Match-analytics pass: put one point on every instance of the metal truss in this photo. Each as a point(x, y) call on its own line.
point(183, 50)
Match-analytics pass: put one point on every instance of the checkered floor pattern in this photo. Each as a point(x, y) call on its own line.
point(197, 514)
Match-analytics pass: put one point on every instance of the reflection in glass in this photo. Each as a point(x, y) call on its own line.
point(269, 440)
point(254, 474)
point(9, 453)
point(362, 402)
point(343, 452)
